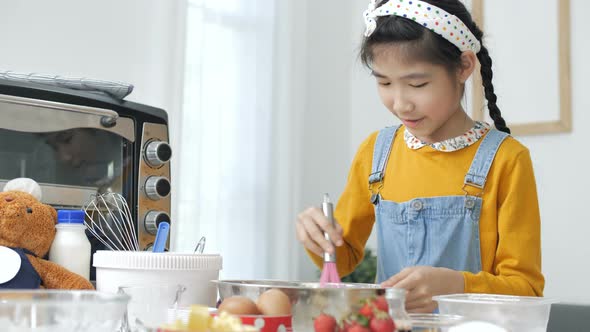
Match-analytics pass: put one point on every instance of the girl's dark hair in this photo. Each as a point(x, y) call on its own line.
point(423, 44)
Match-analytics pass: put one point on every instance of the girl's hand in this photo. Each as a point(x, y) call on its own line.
point(424, 282)
point(311, 225)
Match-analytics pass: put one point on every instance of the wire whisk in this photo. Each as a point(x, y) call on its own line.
point(110, 221)
point(200, 246)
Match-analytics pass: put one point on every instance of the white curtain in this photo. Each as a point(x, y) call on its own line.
point(224, 152)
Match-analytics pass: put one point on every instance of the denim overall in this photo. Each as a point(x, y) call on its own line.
point(27, 277)
point(434, 231)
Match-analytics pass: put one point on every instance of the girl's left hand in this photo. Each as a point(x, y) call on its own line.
point(424, 282)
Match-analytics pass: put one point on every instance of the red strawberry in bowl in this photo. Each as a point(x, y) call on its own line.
point(367, 310)
point(358, 328)
point(345, 325)
point(381, 303)
point(382, 323)
point(325, 323)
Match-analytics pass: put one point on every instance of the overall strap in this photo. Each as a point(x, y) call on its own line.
point(381, 154)
point(26, 251)
point(484, 157)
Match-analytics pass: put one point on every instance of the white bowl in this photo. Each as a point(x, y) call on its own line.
point(116, 269)
point(514, 313)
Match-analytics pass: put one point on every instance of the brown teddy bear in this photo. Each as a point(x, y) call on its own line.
point(27, 229)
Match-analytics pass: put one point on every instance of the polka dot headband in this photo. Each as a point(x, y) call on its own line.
point(431, 17)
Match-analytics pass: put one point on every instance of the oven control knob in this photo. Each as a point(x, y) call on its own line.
point(157, 153)
point(153, 219)
point(157, 187)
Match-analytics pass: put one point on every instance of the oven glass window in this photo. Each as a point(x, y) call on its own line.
point(84, 157)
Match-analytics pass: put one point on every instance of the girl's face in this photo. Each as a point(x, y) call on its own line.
point(424, 96)
point(77, 148)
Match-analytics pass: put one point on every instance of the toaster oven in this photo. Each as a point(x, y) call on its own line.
point(77, 144)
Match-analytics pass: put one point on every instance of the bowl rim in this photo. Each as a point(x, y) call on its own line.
point(505, 300)
point(75, 297)
point(435, 320)
point(149, 253)
point(289, 284)
point(275, 317)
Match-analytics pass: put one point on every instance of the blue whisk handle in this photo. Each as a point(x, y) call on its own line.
point(161, 237)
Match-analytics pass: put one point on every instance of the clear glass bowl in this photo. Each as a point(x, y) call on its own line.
point(150, 306)
point(514, 313)
point(61, 311)
point(434, 322)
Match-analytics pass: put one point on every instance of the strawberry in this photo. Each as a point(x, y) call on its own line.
point(382, 323)
point(325, 323)
point(367, 310)
point(381, 304)
point(358, 328)
point(360, 320)
point(352, 321)
point(345, 326)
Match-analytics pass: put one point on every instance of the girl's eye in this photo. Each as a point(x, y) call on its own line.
point(419, 85)
point(384, 83)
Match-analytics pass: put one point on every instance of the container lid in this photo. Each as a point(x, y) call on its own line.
point(70, 216)
point(144, 260)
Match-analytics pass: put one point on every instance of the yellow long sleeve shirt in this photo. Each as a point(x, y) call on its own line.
point(509, 223)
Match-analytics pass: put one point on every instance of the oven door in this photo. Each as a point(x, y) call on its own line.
point(72, 151)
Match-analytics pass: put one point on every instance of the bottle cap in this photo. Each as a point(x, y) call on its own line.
point(70, 216)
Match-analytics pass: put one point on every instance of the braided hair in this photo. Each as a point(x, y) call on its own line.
point(424, 45)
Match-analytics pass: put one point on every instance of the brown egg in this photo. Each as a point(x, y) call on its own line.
point(274, 302)
point(238, 305)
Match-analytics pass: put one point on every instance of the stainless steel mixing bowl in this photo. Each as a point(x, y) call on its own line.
point(308, 299)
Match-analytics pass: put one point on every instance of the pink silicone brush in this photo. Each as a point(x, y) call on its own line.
point(329, 271)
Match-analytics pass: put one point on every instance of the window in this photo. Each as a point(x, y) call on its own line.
point(224, 150)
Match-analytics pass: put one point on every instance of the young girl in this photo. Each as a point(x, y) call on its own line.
point(454, 200)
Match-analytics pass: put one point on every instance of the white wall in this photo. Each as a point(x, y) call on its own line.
point(560, 161)
point(561, 166)
point(134, 41)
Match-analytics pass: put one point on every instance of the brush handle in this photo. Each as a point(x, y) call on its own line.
point(328, 210)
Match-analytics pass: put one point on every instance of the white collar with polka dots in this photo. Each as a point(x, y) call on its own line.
point(451, 144)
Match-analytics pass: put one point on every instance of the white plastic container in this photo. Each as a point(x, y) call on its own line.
point(514, 313)
point(116, 269)
point(70, 247)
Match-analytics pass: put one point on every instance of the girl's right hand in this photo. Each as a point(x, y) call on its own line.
point(311, 225)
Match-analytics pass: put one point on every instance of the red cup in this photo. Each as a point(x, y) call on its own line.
point(268, 323)
point(263, 323)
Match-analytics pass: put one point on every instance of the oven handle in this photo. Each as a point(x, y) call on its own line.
point(108, 118)
point(86, 116)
